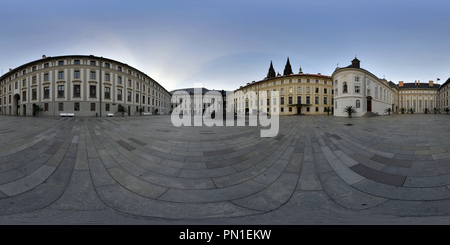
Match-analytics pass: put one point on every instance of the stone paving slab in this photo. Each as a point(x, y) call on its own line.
point(139, 170)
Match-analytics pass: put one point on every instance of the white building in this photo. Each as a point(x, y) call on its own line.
point(357, 87)
point(81, 85)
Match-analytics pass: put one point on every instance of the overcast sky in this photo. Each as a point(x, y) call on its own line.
point(224, 44)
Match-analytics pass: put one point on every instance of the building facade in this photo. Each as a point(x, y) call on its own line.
point(299, 93)
point(357, 87)
point(81, 85)
point(195, 101)
point(418, 97)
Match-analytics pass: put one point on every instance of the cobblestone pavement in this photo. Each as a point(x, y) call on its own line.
point(143, 170)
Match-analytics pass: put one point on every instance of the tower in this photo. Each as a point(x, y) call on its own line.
point(355, 63)
point(271, 72)
point(287, 68)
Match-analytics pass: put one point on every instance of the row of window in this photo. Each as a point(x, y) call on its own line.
point(92, 94)
point(92, 106)
point(384, 94)
point(282, 101)
point(76, 62)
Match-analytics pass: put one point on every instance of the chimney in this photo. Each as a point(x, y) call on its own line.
point(415, 83)
point(400, 84)
point(431, 83)
point(43, 56)
point(418, 82)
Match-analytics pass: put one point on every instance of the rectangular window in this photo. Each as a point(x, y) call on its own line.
point(92, 106)
point(92, 91)
point(299, 99)
point(92, 75)
point(119, 94)
point(33, 94)
point(107, 77)
point(34, 80)
point(46, 65)
point(106, 107)
point(282, 100)
point(357, 88)
point(290, 100)
point(46, 92)
point(119, 80)
point(60, 106)
point(24, 83)
point(60, 63)
point(129, 96)
point(325, 100)
point(76, 91)
point(317, 90)
point(24, 96)
point(76, 62)
point(45, 106)
point(60, 91)
point(61, 75)
point(107, 65)
point(107, 93)
point(308, 100)
point(76, 106)
point(316, 100)
point(93, 63)
point(46, 77)
point(76, 74)
point(137, 98)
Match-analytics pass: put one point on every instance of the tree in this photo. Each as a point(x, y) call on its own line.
point(37, 109)
point(350, 110)
point(122, 109)
point(388, 110)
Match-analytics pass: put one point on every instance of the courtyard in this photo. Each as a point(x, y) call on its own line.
point(143, 170)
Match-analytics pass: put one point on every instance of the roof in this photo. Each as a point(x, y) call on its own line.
point(24, 66)
point(192, 90)
point(418, 86)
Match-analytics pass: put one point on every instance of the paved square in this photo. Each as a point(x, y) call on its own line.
point(144, 170)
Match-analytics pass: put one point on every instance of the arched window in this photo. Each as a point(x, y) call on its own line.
point(344, 88)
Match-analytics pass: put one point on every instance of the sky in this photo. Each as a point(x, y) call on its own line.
point(224, 44)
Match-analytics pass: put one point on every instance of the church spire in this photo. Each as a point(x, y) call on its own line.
point(271, 72)
point(287, 68)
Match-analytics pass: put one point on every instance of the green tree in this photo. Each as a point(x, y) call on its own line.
point(350, 110)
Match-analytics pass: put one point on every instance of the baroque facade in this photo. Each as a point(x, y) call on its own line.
point(357, 87)
point(82, 85)
point(299, 93)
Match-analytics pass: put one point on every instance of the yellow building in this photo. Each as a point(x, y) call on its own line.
point(299, 94)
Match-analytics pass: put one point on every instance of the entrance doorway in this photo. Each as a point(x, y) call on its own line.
point(16, 105)
point(369, 103)
point(24, 110)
